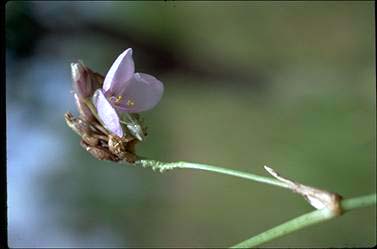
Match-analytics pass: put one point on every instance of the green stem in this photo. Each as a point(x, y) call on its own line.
point(306, 220)
point(280, 230)
point(161, 166)
point(358, 202)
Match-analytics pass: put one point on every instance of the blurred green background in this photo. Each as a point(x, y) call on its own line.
point(287, 84)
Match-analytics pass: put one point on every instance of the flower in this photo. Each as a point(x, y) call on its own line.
point(125, 91)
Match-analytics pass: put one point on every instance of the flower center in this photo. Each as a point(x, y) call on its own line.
point(117, 99)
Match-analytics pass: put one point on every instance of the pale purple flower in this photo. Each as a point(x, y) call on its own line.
point(124, 90)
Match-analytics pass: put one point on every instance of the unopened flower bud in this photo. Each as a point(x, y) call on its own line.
point(83, 109)
point(85, 81)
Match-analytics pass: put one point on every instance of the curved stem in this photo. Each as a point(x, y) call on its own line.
point(306, 220)
point(161, 166)
point(295, 224)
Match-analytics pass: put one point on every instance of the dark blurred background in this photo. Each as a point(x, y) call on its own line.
point(287, 84)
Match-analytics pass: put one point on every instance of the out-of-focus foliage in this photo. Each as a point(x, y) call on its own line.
point(288, 84)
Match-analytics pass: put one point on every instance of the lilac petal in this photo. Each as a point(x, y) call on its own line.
point(107, 113)
point(143, 92)
point(120, 72)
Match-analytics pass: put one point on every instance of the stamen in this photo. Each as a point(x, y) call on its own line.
point(116, 99)
point(130, 102)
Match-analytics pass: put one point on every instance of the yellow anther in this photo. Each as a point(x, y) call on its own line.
point(130, 103)
point(118, 98)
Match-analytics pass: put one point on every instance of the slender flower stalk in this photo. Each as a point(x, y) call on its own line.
point(324, 200)
point(162, 167)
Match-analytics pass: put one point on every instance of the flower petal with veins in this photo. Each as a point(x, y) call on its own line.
point(120, 72)
point(142, 92)
point(107, 113)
